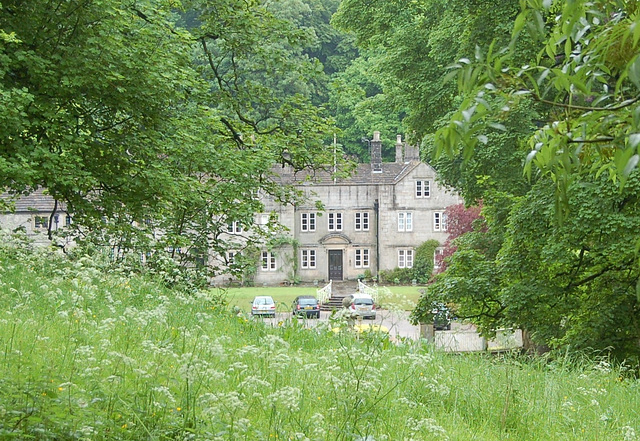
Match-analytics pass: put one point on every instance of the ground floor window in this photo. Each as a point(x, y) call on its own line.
point(405, 258)
point(308, 259)
point(362, 258)
point(268, 261)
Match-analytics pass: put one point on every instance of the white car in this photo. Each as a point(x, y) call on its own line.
point(360, 305)
point(263, 305)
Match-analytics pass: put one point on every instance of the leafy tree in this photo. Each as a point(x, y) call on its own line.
point(586, 77)
point(361, 107)
point(423, 262)
point(141, 126)
point(460, 220)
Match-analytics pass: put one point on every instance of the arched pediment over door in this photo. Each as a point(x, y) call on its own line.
point(335, 239)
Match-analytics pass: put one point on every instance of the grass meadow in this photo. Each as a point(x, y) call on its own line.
point(86, 355)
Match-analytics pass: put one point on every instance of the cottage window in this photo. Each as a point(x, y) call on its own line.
point(231, 255)
point(405, 258)
point(335, 221)
point(439, 221)
point(268, 261)
point(67, 220)
point(423, 189)
point(308, 221)
point(362, 221)
point(405, 221)
point(362, 258)
point(41, 222)
point(308, 259)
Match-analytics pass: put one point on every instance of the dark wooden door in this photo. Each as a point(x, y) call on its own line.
point(335, 264)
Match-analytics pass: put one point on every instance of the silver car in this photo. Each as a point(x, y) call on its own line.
point(263, 305)
point(360, 305)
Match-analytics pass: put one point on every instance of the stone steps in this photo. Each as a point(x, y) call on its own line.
point(339, 290)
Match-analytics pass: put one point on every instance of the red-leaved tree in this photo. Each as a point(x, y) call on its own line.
point(460, 220)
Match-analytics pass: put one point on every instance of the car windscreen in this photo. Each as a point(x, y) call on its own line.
point(263, 301)
point(308, 301)
point(363, 302)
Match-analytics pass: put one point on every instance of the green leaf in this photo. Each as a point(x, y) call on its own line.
point(634, 71)
point(632, 163)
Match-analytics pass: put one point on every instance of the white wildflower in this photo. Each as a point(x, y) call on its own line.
point(287, 397)
point(629, 433)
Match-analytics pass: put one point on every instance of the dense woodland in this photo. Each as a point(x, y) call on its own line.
point(173, 114)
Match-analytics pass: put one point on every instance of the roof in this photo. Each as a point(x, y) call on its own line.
point(390, 173)
point(38, 201)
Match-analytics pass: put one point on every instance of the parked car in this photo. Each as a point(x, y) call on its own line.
point(307, 306)
point(263, 305)
point(441, 317)
point(360, 305)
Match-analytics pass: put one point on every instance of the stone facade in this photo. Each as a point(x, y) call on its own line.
point(372, 221)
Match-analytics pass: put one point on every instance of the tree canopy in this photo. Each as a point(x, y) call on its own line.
point(141, 114)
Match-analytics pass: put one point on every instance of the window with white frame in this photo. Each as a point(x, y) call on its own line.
point(439, 221)
point(405, 258)
point(423, 189)
point(362, 221)
point(231, 255)
point(308, 221)
point(437, 258)
point(335, 221)
point(234, 227)
point(308, 259)
point(405, 221)
point(268, 261)
point(362, 258)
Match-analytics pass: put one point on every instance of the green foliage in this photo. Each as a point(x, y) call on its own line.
point(396, 276)
point(141, 126)
point(583, 78)
point(88, 354)
point(423, 261)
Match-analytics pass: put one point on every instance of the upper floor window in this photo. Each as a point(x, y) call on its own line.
point(335, 221)
point(405, 221)
point(423, 189)
point(405, 258)
point(308, 259)
point(231, 255)
point(362, 258)
point(234, 227)
point(41, 222)
point(268, 261)
point(439, 221)
point(362, 221)
point(308, 221)
point(67, 220)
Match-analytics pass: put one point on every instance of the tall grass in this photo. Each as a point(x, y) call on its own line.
point(90, 356)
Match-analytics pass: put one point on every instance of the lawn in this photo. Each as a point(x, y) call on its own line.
point(402, 297)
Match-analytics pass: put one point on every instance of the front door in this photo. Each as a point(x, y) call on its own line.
point(335, 264)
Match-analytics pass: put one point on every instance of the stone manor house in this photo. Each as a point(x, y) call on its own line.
point(374, 220)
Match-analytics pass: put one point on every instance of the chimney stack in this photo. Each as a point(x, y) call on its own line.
point(376, 153)
point(399, 149)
